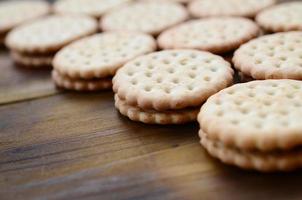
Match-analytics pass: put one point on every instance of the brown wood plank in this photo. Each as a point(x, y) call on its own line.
point(77, 146)
point(65, 134)
point(18, 83)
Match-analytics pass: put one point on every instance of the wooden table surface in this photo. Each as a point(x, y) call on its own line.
point(67, 145)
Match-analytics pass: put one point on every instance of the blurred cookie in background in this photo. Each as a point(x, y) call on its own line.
point(14, 13)
point(217, 35)
point(147, 17)
point(34, 44)
point(282, 17)
point(94, 8)
point(242, 8)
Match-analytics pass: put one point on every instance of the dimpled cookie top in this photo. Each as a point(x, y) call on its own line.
point(172, 79)
point(283, 17)
point(148, 17)
point(101, 55)
point(13, 13)
point(274, 56)
point(217, 35)
point(49, 34)
point(264, 115)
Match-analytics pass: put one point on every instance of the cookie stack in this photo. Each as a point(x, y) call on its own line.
point(89, 64)
point(93, 8)
point(168, 87)
point(275, 56)
point(144, 16)
point(14, 13)
point(255, 125)
point(34, 44)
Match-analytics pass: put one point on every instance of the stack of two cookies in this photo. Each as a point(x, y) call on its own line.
point(35, 43)
point(255, 125)
point(89, 64)
point(168, 87)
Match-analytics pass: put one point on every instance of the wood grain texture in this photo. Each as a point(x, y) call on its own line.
point(66, 134)
point(77, 146)
point(67, 145)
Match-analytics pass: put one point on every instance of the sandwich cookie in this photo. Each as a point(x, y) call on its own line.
point(32, 61)
point(89, 64)
point(34, 44)
point(169, 83)
point(255, 125)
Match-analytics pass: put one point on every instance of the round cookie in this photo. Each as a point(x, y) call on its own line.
point(13, 13)
point(283, 17)
point(94, 8)
point(258, 115)
point(49, 34)
point(101, 55)
point(172, 79)
point(265, 162)
point(81, 84)
point(217, 35)
point(147, 17)
point(32, 61)
point(276, 56)
point(243, 8)
point(156, 117)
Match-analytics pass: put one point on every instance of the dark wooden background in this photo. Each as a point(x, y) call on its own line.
point(67, 145)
